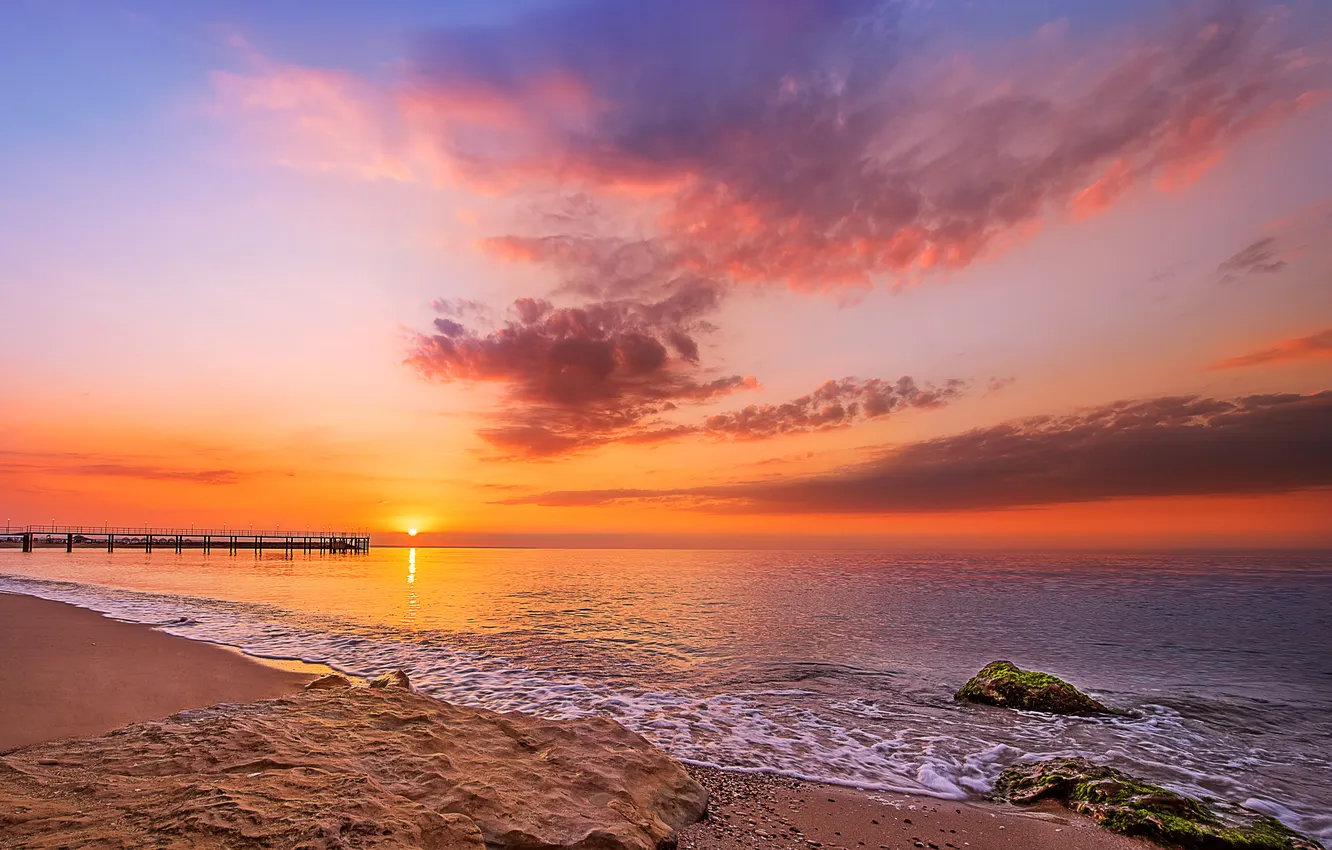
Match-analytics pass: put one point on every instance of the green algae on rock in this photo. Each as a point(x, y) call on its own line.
point(1004, 684)
point(1130, 807)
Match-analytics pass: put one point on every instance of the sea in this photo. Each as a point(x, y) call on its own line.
point(830, 666)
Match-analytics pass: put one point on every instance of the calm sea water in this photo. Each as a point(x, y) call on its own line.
point(830, 666)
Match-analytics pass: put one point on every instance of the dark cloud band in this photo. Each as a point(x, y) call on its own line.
point(1183, 446)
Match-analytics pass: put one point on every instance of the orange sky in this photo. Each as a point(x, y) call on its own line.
point(493, 286)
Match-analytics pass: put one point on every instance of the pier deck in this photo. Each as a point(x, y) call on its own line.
point(234, 540)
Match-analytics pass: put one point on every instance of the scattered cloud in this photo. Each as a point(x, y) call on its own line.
point(1312, 347)
point(576, 378)
point(157, 473)
point(319, 119)
point(508, 487)
point(1175, 446)
point(999, 384)
point(811, 145)
point(657, 155)
point(1259, 257)
point(460, 308)
point(835, 404)
point(579, 377)
point(59, 463)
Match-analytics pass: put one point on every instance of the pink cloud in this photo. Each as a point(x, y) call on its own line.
point(835, 404)
point(773, 169)
point(579, 377)
point(809, 153)
point(316, 119)
point(1315, 346)
point(696, 146)
point(576, 378)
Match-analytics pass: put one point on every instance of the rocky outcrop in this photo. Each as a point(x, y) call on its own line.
point(330, 682)
point(391, 679)
point(1004, 684)
point(349, 767)
point(1127, 806)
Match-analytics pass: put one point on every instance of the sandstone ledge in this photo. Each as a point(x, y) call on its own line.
point(349, 767)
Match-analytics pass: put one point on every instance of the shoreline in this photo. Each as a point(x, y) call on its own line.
point(766, 810)
point(78, 673)
point(73, 672)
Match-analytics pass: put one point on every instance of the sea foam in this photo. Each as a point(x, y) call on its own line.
point(896, 745)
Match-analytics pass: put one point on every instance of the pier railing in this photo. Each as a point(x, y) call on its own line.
point(231, 539)
point(125, 530)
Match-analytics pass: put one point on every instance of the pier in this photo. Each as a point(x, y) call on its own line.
point(233, 540)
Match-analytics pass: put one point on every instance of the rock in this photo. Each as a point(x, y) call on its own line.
point(1003, 684)
point(330, 682)
point(349, 767)
point(1124, 805)
point(392, 679)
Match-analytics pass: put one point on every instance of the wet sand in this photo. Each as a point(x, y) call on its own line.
point(70, 672)
point(756, 810)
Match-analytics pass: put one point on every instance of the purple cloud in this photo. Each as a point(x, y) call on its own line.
point(1176, 446)
point(808, 143)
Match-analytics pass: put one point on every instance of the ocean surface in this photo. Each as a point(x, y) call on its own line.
point(831, 666)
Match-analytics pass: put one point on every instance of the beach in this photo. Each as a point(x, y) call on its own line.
point(70, 672)
point(73, 672)
point(660, 425)
point(759, 810)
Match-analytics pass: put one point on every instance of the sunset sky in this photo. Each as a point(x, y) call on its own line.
point(672, 272)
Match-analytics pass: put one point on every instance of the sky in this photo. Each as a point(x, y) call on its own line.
point(844, 273)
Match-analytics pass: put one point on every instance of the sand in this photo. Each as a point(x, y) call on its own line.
point(69, 672)
point(755, 810)
point(346, 767)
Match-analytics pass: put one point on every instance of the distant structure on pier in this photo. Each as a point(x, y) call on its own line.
point(179, 539)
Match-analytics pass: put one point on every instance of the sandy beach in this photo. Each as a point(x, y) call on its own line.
point(73, 672)
point(758, 810)
point(70, 672)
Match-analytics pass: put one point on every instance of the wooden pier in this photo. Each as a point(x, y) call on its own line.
point(233, 540)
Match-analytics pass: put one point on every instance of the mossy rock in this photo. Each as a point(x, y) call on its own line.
point(1125, 805)
point(1004, 684)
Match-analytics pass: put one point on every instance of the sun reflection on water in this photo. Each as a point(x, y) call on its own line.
point(411, 580)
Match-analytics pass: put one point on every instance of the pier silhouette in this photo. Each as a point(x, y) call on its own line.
point(234, 540)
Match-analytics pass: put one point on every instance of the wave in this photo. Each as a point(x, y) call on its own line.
point(908, 738)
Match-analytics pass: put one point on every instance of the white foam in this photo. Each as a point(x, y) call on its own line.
point(932, 750)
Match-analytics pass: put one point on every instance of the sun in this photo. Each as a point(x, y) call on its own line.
point(411, 532)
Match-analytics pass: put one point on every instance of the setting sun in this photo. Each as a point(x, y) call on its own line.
point(765, 374)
